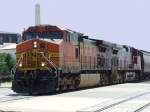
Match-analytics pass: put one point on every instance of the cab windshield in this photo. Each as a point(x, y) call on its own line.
point(52, 35)
point(45, 35)
point(31, 35)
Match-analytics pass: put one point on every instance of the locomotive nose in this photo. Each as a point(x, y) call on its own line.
point(37, 63)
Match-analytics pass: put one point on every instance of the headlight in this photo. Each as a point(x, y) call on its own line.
point(35, 44)
point(43, 64)
point(20, 65)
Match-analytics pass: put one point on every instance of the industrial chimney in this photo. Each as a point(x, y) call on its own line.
point(37, 15)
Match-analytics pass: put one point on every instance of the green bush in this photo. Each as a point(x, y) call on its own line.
point(7, 62)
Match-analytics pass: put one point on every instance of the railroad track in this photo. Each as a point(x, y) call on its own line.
point(117, 103)
point(13, 98)
point(4, 87)
point(142, 108)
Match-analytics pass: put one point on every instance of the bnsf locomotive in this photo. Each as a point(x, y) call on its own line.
point(52, 58)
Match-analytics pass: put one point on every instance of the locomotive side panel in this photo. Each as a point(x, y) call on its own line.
point(70, 54)
point(146, 57)
point(88, 55)
point(122, 58)
point(88, 59)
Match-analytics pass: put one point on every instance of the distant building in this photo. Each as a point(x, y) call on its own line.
point(7, 37)
point(8, 42)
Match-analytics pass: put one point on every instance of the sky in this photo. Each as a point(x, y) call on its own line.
point(125, 22)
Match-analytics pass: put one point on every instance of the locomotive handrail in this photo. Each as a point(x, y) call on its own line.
point(51, 62)
point(14, 68)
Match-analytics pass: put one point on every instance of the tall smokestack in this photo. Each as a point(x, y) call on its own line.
point(37, 15)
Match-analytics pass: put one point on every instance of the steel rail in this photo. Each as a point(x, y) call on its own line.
point(142, 108)
point(13, 98)
point(117, 103)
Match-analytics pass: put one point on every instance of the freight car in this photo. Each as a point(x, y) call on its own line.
point(52, 58)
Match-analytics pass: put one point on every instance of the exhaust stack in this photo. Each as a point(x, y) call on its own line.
point(37, 15)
